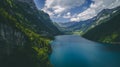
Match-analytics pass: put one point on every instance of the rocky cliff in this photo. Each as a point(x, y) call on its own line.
point(25, 34)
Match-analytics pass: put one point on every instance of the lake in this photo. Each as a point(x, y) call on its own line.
point(75, 51)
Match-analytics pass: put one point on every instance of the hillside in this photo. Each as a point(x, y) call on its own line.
point(107, 32)
point(25, 34)
point(82, 27)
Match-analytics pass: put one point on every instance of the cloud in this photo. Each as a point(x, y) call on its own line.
point(68, 15)
point(54, 7)
point(62, 8)
point(95, 8)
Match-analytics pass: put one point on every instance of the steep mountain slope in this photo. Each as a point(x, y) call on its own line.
point(83, 26)
point(25, 34)
point(107, 32)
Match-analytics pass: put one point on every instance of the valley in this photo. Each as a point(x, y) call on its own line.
point(30, 38)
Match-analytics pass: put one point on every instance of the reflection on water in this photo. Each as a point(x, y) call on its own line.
point(75, 51)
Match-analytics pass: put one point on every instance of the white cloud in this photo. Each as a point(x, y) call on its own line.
point(75, 19)
point(68, 15)
point(95, 8)
point(60, 6)
point(57, 8)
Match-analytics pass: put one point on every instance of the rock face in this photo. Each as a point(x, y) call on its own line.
point(10, 38)
point(22, 43)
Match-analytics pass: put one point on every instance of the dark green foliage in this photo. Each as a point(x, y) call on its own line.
point(107, 32)
point(24, 35)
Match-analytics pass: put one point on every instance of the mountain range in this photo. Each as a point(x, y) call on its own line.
point(108, 31)
point(82, 27)
point(26, 32)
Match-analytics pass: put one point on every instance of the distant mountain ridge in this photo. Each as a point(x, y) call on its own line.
point(83, 26)
point(108, 31)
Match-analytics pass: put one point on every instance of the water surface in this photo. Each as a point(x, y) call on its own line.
point(75, 51)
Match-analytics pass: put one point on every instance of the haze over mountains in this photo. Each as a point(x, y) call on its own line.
point(102, 28)
point(75, 10)
point(26, 32)
point(83, 26)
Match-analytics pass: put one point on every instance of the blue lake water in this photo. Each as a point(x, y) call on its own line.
point(75, 51)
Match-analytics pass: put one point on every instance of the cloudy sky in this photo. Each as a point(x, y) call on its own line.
point(74, 10)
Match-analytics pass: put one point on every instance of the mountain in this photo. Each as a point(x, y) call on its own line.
point(25, 34)
point(72, 27)
point(108, 31)
point(83, 26)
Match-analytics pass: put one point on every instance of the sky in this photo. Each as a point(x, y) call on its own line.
point(74, 10)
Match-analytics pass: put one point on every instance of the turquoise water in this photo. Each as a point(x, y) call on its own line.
point(75, 51)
